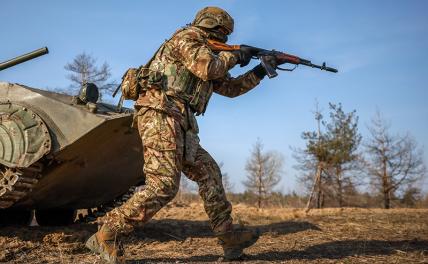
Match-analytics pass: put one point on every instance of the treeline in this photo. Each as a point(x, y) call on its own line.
point(363, 200)
point(338, 167)
point(410, 199)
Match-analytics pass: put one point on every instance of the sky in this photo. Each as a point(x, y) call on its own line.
point(380, 48)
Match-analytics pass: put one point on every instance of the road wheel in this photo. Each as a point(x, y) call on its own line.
point(55, 217)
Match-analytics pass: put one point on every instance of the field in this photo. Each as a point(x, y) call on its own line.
point(181, 234)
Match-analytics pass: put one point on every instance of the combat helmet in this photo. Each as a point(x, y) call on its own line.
point(211, 17)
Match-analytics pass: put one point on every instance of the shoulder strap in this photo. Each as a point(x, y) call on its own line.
point(146, 66)
point(161, 47)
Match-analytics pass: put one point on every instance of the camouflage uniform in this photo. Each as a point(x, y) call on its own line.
point(183, 75)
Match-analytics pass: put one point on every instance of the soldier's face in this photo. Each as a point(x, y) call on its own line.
point(219, 34)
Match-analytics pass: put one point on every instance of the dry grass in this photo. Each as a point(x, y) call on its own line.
point(180, 234)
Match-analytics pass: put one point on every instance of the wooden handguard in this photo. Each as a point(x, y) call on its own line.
point(220, 46)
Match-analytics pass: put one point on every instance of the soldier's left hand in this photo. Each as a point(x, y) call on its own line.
point(244, 55)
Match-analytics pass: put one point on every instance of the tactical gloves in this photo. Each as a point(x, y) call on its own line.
point(244, 55)
point(260, 71)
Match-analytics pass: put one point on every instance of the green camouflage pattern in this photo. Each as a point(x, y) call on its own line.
point(163, 139)
point(187, 70)
point(183, 75)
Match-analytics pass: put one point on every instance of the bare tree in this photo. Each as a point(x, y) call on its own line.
point(227, 184)
point(312, 161)
point(394, 162)
point(264, 171)
point(316, 160)
point(411, 196)
point(186, 190)
point(84, 69)
point(182, 190)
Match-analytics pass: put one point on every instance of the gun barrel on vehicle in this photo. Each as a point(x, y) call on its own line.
point(23, 58)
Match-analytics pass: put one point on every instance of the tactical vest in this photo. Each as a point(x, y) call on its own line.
point(169, 73)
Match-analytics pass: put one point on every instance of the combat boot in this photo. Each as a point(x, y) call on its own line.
point(235, 241)
point(105, 243)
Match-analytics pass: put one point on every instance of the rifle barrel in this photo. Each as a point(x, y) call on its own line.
point(23, 58)
point(325, 68)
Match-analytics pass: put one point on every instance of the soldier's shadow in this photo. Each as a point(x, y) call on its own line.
point(172, 229)
point(158, 230)
point(330, 250)
point(179, 230)
point(168, 229)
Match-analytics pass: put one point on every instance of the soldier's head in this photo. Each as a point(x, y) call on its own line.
point(216, 21)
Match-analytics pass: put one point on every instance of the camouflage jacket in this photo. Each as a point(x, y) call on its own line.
point(185, 72)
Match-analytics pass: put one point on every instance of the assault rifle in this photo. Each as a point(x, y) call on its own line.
point(268, 57)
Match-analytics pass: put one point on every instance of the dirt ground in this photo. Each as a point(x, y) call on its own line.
point(181, 234)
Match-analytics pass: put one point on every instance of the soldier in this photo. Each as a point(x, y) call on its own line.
point(183, 75)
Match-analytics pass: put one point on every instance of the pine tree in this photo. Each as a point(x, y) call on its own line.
point(330, 154)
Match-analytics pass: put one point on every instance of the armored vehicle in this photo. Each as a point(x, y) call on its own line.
point(60, 153)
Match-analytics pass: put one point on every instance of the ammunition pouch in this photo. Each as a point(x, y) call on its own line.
point(200, 97)
point(131, 84)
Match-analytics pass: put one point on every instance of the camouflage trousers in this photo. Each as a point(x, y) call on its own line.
point(164, 144)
